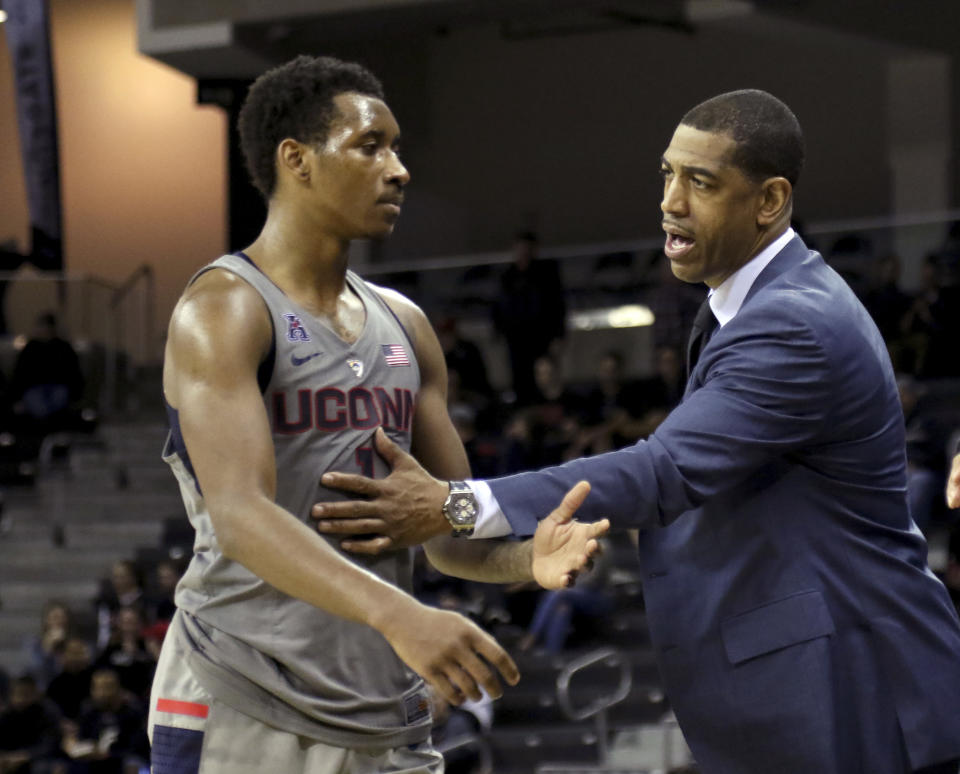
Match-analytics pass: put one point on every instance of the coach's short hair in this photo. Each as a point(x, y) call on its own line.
point(295, 100)
point(768, 136)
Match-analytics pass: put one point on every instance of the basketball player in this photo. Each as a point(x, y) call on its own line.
point(281, 364)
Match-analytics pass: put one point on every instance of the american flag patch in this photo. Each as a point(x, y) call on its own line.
point(395, 355)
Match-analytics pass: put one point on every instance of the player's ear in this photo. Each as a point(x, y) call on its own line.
point(291, 157)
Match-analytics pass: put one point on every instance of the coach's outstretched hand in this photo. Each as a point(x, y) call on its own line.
point(450, 652)
point(404, 509)
point(562, 547)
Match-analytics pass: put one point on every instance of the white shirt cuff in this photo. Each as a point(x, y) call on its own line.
point(491, 521)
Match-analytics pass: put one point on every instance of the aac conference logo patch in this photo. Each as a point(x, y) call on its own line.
point(295, 329)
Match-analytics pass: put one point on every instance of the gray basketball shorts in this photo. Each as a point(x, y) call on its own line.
point(191, 732)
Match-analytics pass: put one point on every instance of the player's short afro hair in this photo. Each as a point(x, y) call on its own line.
point(295, 100)
point(768, 136)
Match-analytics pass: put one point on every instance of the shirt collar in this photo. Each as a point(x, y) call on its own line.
point(726, 300)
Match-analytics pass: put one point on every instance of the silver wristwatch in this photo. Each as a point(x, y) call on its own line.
point(460, 509)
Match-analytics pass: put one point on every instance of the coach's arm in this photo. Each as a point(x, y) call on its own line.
point(561, 546)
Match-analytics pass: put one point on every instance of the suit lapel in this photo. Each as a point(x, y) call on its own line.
point(794, 253)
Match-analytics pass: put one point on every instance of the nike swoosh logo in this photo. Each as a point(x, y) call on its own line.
point(299, 361)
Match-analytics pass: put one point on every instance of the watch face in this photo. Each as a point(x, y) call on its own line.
point(463, 510)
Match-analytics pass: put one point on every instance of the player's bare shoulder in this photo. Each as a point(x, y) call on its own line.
point(219, 300)
point(220, 322)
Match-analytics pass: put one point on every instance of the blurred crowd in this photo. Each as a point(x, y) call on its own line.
point(81, 705)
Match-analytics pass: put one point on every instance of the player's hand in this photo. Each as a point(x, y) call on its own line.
point(403, 509)
point(562, 546)
point(454, 655)
point(953, 484)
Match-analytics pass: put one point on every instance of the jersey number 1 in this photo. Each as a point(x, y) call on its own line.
point(364, 457)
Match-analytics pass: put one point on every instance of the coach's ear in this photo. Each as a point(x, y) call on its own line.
point(776, 194)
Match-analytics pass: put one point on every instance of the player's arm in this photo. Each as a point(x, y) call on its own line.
point(219, 333)
point(562, 548)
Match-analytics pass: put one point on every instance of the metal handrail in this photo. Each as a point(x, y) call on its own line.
point(144, 275)
point(105, 312)
point(613, 658)
point(596, 709)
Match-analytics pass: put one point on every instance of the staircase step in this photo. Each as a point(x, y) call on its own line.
point(57, 564)
point(21, 596)
point(531, 745)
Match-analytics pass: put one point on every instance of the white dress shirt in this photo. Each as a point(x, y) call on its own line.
point(725, 302)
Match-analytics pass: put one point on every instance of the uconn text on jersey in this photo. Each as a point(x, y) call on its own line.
point(330, 409)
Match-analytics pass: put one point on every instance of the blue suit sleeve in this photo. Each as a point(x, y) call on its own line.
point(764, 393)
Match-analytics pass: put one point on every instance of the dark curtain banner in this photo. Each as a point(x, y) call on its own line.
point(28, 39)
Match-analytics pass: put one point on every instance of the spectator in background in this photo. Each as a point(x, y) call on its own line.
point(484, 452)
point(607, 403)
point(123, 589)
point(553, 618)
point(110, 735)
point(47, 383)
point(553, 420)
point(926, 440)
point(453, 725)
point(664, 389)
point(932, 324)
point(674, 304)
point(160, 600)
point(29, 730)
point(464, 358)
point(629, 411)
point(70, 687)
point(41, 650)
point(530, 312)
point(127, 653)
point(888, 306)
point(852, 257)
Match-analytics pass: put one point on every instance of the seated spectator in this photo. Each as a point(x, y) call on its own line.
point(931, 325)
point(453, 725)
point(110, 735)
point(530, 312)
point(127, 654)
point(160, 600)
point(553, 619)
point(664, 389)
point(464, 358)
point(552, 421)
point(926, 440)
point(674, 304)
point(71, 686)
point(124, 588)
point(630, 411)
point(29, 730)
point(41, 649)
point(607, 404)
point(47, 383)
point(888, 306)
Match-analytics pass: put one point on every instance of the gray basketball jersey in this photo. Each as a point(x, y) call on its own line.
point(269, 655)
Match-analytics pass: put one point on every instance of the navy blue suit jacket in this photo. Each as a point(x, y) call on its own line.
point(797, 626)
